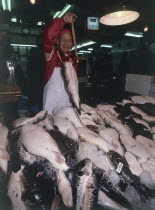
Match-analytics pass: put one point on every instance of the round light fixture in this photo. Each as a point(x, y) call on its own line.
point(32, 1)
point(146, 28)
point(119, 15)
point(119, 18)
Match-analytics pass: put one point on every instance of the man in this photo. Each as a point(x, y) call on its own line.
point(54, 91)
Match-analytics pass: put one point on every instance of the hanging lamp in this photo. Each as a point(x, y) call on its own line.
point(120, 15)
point(32, 1)
point(146, 28)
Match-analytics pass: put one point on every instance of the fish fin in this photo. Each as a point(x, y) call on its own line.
point(78, 111)
point(58, 157)
point(4, 154)
point(56, 128)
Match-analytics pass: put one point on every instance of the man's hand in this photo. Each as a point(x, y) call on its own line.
point(69, 17)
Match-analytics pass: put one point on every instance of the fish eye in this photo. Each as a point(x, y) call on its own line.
point(80, 173)
point(88, 113)
point(95, 192)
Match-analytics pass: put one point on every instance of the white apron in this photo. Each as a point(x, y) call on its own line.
point(54, 94)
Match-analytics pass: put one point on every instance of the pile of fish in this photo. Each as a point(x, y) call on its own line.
point(100, 157)
point(81, 157)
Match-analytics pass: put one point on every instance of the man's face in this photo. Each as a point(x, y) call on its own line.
point(65, 42)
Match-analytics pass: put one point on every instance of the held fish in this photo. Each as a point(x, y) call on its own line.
point(71, 84)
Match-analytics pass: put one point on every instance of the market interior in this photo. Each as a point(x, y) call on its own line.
point(98, 153)
point(103, 65)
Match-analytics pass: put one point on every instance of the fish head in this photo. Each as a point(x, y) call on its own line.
point(116, 161)
point(4, 155)
point(84, 168)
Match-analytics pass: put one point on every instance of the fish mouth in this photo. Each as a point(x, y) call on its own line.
point(84, 172)
point(82, 164)
point(109, 162)
point(84, 167)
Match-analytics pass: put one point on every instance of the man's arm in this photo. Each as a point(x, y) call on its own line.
point(50, 34)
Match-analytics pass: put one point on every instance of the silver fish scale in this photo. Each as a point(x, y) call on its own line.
point(24, 156)
point(70, 93)
point(112, 191)
point(84, 198)
point(67, 72)
point(81, 194)
point(66, 78)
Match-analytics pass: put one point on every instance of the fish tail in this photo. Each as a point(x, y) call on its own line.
point(79, 111)
point(76, 108)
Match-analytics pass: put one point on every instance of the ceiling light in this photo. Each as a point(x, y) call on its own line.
point(83, 45)
point(119, 16)
point(146, 28)
point(6, 4)
point(60, 13)
point(84, 51)
point(64, 10)
point(32, 1)
point(9, 5)
point(88, 43)
point(24, 45)
point(106, 45)
point(78, 46)
point(90, 48)
point(39, 23)
point(13, 19)
point(134, 34)
point(56, 14)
